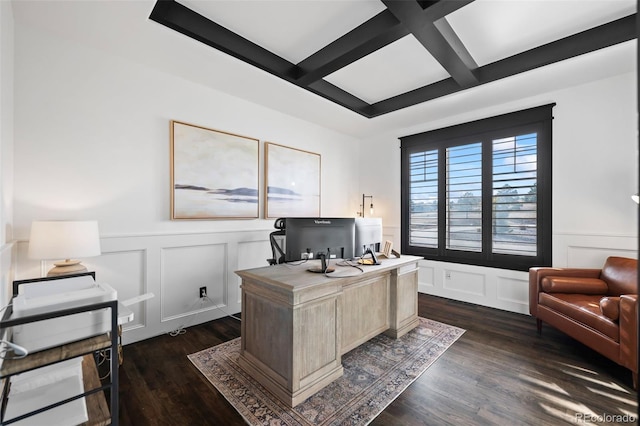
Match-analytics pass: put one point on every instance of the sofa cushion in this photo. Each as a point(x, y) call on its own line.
point(610, 307)
point(584, 309)
point(556, 284)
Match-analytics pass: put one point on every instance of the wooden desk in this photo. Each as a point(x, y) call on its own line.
point(296, 324)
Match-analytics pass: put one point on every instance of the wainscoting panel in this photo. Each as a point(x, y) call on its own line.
point(584, 257)
point(251, 254)
point(506, 289)
point(469, 283)
point(173, 267)
point(513, 291)
point(496, 288)
point(125, 272)
point(426, 275)
point(591, 251)
point(184, 271)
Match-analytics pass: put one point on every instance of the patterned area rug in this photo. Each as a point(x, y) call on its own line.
point(375, 374)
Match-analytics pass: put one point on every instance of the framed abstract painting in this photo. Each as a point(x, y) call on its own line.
point(214, 174)
point(292, 182)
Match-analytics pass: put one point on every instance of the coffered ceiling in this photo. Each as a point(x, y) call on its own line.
point(374, 57)
point(381, 83)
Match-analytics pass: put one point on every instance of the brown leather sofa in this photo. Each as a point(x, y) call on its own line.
point(598, 307)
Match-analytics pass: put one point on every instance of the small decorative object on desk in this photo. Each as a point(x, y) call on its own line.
point(388, 245)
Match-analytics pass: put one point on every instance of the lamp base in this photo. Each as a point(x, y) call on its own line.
point(66, 268)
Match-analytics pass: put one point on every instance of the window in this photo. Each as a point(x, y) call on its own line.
point(480, 192)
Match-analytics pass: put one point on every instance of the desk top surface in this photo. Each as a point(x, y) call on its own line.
point(295, 276)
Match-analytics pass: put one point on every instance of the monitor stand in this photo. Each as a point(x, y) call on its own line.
point(372, 261)
point(324, 269)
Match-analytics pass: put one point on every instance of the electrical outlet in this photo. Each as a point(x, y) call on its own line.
point(203, 291)
point(306, 255)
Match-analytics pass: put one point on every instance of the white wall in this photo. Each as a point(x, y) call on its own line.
point(7, 249)
point(595, 171)
point(92, 142)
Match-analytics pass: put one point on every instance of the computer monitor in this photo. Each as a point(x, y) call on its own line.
point(368, 235)
point(310, 237)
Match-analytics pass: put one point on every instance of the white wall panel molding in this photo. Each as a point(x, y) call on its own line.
point(234, 229)
point(509, 290)
point(426, 277)
point(457, 280)
point(492, 287)
point(512, 291)
point(124, 270)
point(172, 266)
point(251, 254)
point(591, 250)
point(187, 268)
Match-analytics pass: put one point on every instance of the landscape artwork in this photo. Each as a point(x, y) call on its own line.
point(214, 174)
point(292, 182)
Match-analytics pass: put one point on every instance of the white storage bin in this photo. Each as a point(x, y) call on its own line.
point(48, 296)
point(71, 413)
point(42, 376)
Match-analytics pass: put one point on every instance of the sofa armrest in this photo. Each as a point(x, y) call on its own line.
point(536, 274)
point(629, 331)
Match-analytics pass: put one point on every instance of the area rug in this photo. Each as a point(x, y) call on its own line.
point(375, 374)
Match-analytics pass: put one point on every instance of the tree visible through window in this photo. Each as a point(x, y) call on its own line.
point(480, 192)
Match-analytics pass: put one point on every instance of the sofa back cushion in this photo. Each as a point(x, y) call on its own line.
point(552, 284)
point(621, 275)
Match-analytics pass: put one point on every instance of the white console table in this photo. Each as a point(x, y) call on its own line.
point(297, 324)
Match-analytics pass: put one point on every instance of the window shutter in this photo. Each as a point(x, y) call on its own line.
point(464, 198)
point(514, 211)
point(423, 217)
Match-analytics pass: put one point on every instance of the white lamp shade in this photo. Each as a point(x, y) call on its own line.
point(51, 240)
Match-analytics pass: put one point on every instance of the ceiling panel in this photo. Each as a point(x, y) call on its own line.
point(496, 29)
point(395, 69)
point(291, 29)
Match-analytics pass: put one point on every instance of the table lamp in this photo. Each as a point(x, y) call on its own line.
point(51, 240)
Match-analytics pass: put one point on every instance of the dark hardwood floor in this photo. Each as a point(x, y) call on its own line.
point(500, 372)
